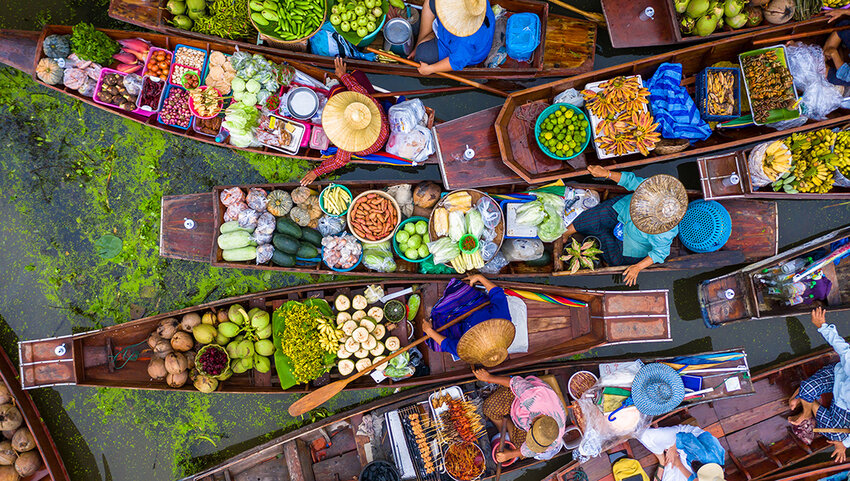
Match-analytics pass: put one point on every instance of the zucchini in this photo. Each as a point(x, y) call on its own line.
point(282, 259)
point(231, 226)
point(346, 367)
point(363, 364)
point(234, 240)
point(286, 226)
point(239, 254)
point(312, 236)
point(285, 243)
point(307, 251)
point(359, 302)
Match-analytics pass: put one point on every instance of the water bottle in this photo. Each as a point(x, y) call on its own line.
point(794, 265)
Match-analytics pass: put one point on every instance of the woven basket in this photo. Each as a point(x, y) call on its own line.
point(299, 45)
point(671, 146)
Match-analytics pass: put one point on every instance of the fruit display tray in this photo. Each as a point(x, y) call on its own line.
point(594, 120)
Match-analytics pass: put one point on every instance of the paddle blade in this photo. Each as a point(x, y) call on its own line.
point(316, 398)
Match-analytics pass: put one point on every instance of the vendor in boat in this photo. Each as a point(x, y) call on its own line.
point(833, 378)
point(685, 453)
point(538, 419)
point(484, 336)
point(453, 34)
point(353, 121)
point(635, 229)
point(840, 75)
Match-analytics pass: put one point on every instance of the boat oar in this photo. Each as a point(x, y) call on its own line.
point(502, 431)
point(592, 16)
point(325, 393)
point(456, 78)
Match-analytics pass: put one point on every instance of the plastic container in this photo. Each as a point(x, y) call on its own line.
point(146, 81)
point(195, 127)
point(302, 103)
point(508, 446)
point(454, 391)
point(512, 229)
point(775, 115)
point(522, 35)
point(179, 81)
point(217, 111)
point(165, 92)
point(322, 200)
point(103, 72)
point(702, 94)
point(318, 139)
point(542, 117)
point(706, 226)
point(297, 135)
point(150, 55)
point(202, 66)
point(398, 251)
point(335, 269)
point(463, 240)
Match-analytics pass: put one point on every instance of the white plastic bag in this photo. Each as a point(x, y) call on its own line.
point(806, 63)
point(570, 96)
point(405, 116)
point(416, 145)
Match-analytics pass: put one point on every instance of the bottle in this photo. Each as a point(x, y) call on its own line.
point(794, 265)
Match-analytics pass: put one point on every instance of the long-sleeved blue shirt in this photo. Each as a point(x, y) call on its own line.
point(465, 51)
point(841, 388)
point(637, 243)
point(498, 309)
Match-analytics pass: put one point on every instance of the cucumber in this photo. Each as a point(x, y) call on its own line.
point(282, 259)
point(290, 228)
point(231, 226)
point(240, 254)
point(285, 243)
point(234, 240)
point(270, 15)
point(307, 251)
point(312, 236)
point(255, 5)
point(259, 19)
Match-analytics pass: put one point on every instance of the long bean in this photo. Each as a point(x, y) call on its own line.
point(228, 19)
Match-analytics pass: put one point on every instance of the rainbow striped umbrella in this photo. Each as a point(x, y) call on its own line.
point(552, 299)
point(702, 361)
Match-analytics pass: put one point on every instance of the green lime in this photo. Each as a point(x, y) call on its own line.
point(402, 236)
point(548, 135)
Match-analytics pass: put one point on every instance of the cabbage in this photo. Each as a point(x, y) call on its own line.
point(240, 120)
point(253, 86)
point(249, 99)
point(443, 249)
point(237, 84)
point(474, 223)
point(552, 226)
point(530, 213)
point(457, 225)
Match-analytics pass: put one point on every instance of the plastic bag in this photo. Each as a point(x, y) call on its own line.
point(457, 225)
point(488, 235)
point(530, 213)
point(443, 250)
point(522, 249)
point(256, 199)
point(133, 84)
point(601, 434)
point(488, 250)
point(553, 225)
point(233, 210)
point(491, 214)
point(416, 145)
point(264, 253)
point(329, 226)
point(239, 60)
point(806, 63)
point(87, 88)
point(378, 257)
point(248, 219)
point(570, 96)
point(403, 195)
point(755, 162)
point(404, 116)
point(496, 264)
point(266, 224)
point(474, 224)
point(261, 238)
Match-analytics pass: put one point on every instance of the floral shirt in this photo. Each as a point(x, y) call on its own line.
point(534, 398)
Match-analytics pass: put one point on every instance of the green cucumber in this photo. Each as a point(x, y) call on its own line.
point(307, 251)
point(234, 240)
point(240, 254)
point(285, 243)
point(231, 226)
point(312, 236)
point(283, 259)
point(259, 19)
point(288, 227)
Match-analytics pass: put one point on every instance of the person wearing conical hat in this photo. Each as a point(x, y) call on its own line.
point(353, 121)
point(538, 419)
point(484, 336)
point(635, 229)
point(453, 34)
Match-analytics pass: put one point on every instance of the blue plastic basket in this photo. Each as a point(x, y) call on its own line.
point(545, 114)
point(398, 251)
point(706, 226)
point(350, 268)
point(522, 35)
point(702, 94)
point(165, 92)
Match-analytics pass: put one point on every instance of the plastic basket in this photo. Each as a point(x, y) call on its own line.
point(165, 91)
point(322, 200)
point(398, 251)
point(522, 35)
point(706, 226)
point(336, 269)
point(702, 94)
point(545, 114)
point(103, 73)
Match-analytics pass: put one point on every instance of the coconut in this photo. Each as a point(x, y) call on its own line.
point(156, 369)
point(191, 320)
point(177, 380)
point(168, 328)
point(681, 5)
point(162, 348)
point(732, 7)
point(737, 21)
point(426, 194)
point(182, 341)
point(222, 316)
point(8, 434)
point(176, 363)
point(190, 359)
point(8, 473)
point(754, 15)
point(778, 12)
point(10, 417)
point(23, 441)
point(7, 454)
point(697, 8)
point(206, 384)
point(28, 463)
point(204, 333)
point(706, 25)
point(153, 339)
point(208, 318)
point(758, 3)
point(5, 395)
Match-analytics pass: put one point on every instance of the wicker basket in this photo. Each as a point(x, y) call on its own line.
point(671, 146)
point(299, 45)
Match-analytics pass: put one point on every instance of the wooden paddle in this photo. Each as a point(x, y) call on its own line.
point(592, 16)
point(832, 430)
point(501, 449)
point(325, 393)
point(456, 78)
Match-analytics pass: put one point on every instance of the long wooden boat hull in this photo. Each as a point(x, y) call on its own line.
point(19, 51)
point(567, 47)
point(286, 459)
point(555, 332)
point(754, 236)
point(749, 301)
point(753, 430)
point(812, 472)
point(52, 466)
point(514, 135)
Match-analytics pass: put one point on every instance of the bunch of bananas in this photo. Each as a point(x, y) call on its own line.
point(329, 336)
point(777, 160)
point(841, 149)
point(835, 3)
point(814, 163)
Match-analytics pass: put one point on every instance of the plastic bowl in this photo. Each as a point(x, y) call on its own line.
point(468, 251)
point(397, 219)
point(545, 114)
point(335, 269)
point(322, 200)
point(184, 79)
point(398, 251)
point(195, 112)
point(508, 445)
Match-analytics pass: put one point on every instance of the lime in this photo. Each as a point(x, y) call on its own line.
point(548, 135)
point(562, 109)
point(402, 236)
point(410, 227)
point(426, 239)
point(569, 113)
point(423, 251)
point(411, 254)
point(414, 242)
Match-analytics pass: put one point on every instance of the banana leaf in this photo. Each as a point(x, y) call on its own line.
point(320, 304)
point(282, 362)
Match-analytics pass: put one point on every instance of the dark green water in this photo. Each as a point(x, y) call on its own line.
point(71, 174)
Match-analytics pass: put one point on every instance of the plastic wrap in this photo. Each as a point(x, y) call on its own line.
point(256, 199)
point(488, 250)
point(522, 249)
point(600, 434)
point(553, 225)
point(87, 88)
point(379, 257)
point(133, 84)
point(266, 224)
point(233, 210)
point(755, 162)
point(457, 225)
point(806, 63)
point(329, 226)
point(488, 235)
point(490, 212)
point(261, 239)
point(570, 96)
point(403, 195)
point(496, 264)
point(233, 195)
point(530, 213)
point(417, 145)
point(443, 249)
point(404, 116)
point(264, 253)
point(474, 223)
point(248, 218)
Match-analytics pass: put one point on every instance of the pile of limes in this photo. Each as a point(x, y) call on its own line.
point(563, 132)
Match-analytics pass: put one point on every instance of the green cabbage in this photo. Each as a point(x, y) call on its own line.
point(552, 226)
point(474, 223)
point(530, 213)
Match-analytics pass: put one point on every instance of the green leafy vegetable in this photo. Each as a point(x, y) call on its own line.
point(93, 45)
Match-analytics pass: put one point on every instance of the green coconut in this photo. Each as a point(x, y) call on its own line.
point(737, 21)
point(681, 5)
point(697, 8)
point(732, 7)
point(706, 25)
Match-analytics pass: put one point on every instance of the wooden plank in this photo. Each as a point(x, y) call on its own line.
point(345, 467)
point(754, 227)
point(570, 44)
point(626, 29)
point(19, 49)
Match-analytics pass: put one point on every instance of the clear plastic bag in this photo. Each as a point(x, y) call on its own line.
point(600, 434)
point(261, 238)
point(755, 164)
point(264, 253)
point(416, 145)
point(329, 226)
point(488, 250)
point(443, 250)
point(806, 63)
point(488, 235)
point(133, 84)
point(404, 116)
point(248, 218)
point(266, 224)
point(474, 223)
point(496, 264)
point(379, 257)
point(457, 225)
point(491, 214)
point(522, 249)
point(233, 210)
point(256, 199)
point(570, 96)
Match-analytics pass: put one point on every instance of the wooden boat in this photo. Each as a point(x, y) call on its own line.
point(52, 468)
point(289, 458)
point(812, 472)
point(626, 30)
point(23, 49)
point(513, 144)
point(754, 236)
point(753, 430)
point(89, 359)
point(749, 299)
point(568, 46)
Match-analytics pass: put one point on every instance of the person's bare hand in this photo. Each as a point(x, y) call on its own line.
point(833, 15)
point(339, 67)
point(598, 171)
point(631, 273)
point(425, 69)
point(473, 279)
point(427, 326)
point(481, 374)
point(308, 178)
point(840, 453)
point(671, 456)
point(818, 317)
point(412, 53)
point(502, 457)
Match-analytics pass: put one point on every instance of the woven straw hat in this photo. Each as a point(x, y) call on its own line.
point(461, 17)
point(657, 389)
point(487, 342)
point(658, 204)
point(710, 472)
point(351, 121)
point(543, 432)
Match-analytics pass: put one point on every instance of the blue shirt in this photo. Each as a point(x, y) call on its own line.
point(841, 388)
point(498, 309)
point(637, 243)
point(464, 51)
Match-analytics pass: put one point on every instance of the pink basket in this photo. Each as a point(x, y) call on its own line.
point(195, 112)
point(103, 73)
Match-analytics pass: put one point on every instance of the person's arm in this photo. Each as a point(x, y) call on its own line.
point(833, 15)
point(631, 273)
point(602, 173)
point(473, 279)
point(830, 334)
point(672, 459)
point(444, 65)
point(508, 454)
point(484, 375)
point(338, 160)
point(426, 26)
point(429, 331)
point(840, 452)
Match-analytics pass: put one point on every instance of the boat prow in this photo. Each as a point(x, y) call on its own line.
point(18, 48)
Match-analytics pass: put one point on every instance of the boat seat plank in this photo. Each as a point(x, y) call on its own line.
point(764, 395)
point(524, 144)
point(769, 431)
point(754, 228)
point(177, 242)
point(345, 467)
point(570, 43)
point(719, 310)
point(627, 30)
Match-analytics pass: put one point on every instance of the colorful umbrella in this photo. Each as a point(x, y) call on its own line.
point(687, 363)
point(552, 299)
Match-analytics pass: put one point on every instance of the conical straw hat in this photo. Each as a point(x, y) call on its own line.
point(351, 121)
point(658, 204)
point(461, 17)
point(487, 342)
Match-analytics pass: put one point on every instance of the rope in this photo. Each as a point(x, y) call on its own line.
point(576, 475)
point(126, 355)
